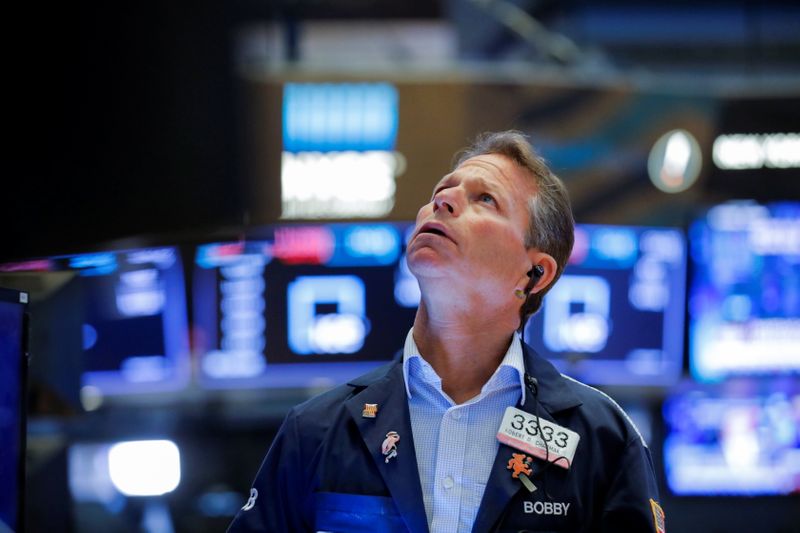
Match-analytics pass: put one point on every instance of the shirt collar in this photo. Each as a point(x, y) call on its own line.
point(513, 359)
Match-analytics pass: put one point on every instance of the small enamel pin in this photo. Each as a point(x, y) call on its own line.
point(519, 464)
point(370, 410)
point(389, 446)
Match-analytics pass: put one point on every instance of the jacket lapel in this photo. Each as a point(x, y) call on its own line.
point(400, 473)
point(500, 488)
point(554, 395)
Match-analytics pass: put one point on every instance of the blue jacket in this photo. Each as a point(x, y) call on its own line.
point(325, 470)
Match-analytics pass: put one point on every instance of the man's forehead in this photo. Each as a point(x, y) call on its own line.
point(492, 168)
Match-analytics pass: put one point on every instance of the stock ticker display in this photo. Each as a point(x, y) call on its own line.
point(132, 308)
point(318, 303)
point(740, 438)
point(302, 306)
point(744, 296)
point(616, 315)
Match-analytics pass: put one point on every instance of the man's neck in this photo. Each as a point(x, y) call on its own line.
point(464, 351)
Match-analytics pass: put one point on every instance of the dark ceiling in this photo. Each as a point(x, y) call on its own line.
point(103, 100)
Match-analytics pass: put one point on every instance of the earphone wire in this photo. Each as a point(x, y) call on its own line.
point(532, 384)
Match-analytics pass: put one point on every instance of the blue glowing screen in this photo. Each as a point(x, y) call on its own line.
point(134, 320)
point(327, 117)
point(302, 305)
point(11, 407)
point(744, 296)
point(739, 438)
point(616, 315)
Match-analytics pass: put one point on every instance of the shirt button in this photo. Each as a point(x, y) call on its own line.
point(455, 414)
point(448, 482)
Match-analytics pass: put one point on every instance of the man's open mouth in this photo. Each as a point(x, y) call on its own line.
point(435, 229)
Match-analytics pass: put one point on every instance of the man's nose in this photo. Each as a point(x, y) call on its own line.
point(447, 199)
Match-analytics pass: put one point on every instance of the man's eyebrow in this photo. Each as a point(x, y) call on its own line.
point(500, 193)
point(486, 184)
point(480, 181)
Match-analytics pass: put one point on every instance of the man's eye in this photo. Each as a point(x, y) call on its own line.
point(488, 198)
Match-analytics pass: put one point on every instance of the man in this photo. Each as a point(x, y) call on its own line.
point(452, 437)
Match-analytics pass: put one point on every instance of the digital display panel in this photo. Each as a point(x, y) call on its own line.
point(135, 326)
point(302, 305)
point(12, 406)
point(743, 439)
point(338, 156)
point(744, 297)
point(616, 316)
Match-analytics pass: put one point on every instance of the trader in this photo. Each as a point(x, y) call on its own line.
point(471, 430)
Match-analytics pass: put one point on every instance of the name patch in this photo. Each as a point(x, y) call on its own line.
point(546, 508)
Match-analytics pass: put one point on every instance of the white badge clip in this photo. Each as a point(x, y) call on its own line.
point(535, 435)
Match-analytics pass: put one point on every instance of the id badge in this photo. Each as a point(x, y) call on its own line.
point(520, 430)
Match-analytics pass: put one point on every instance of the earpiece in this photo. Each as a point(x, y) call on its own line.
point(535, 273)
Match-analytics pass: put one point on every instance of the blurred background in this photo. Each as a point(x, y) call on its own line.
point(207, 204)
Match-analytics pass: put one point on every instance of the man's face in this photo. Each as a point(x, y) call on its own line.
point(472, 233)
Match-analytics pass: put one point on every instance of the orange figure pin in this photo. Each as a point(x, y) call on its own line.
point(519, 464)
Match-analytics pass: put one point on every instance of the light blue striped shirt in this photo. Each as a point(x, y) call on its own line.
point(456, 444)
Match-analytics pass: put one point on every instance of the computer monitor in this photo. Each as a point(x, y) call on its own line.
point(302, 305)
point(616, 316)
point(741, 437)
point(13, 363)
point(132, 314)
point(744, 294)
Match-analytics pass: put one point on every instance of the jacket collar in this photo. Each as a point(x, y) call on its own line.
point(555, 394)
point(385, 386)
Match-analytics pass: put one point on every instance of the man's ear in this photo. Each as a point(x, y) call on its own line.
point(548, 265)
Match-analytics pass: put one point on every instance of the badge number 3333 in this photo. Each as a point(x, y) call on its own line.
point(526, 432)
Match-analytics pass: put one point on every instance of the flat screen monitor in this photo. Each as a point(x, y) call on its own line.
point(302, 305)
point(744, 294)
point(134, 325)
point(737, 438)
point(13, 361)
point(616, 316)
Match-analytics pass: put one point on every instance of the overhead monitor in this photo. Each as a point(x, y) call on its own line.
point(740, 438)
point(744, 294)
point(134, 325)
point(339, 159)
point(302, 305)
point(616, 316)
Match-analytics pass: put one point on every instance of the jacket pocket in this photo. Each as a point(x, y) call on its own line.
point(339, 512)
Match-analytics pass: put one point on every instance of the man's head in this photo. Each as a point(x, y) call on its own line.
point(551, 225)
point(489, 223)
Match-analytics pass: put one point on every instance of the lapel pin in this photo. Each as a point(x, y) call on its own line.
point(519, 464)
point(389, 446)
point(370, 410)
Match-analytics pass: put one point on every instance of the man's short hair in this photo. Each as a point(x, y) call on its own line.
point(551, 228)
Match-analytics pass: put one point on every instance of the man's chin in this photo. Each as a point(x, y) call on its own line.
point(428, 265)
